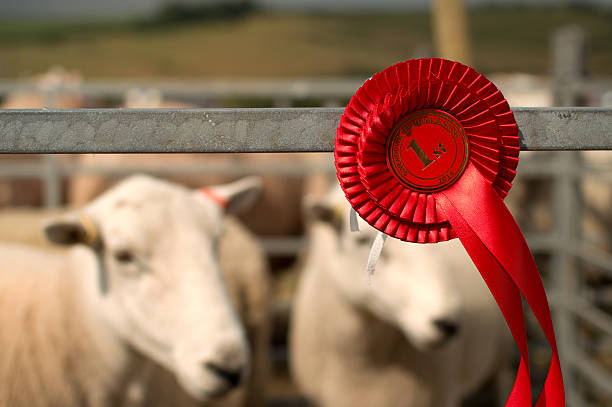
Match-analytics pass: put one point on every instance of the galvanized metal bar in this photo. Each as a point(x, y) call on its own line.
point(550, 242)
point(196, 89)
point(569, 62)
point(167, 130)
point(590, 313)
point(252, 130)
point(565, 279)
point(541, 242)
point(591, 254)
point(574, 400)
point(16, 170)
point(564, 128)
point(294, 88)
point(591, 370)
point(296, 168)
point(21, 170)
point(598, 295)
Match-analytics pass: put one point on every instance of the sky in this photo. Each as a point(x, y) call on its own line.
point(117, 8)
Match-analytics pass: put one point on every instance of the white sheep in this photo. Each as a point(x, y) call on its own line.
point(137, 303)
point(426, 332)
point(56, 88)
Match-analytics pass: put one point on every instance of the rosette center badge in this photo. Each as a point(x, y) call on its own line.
point(427, 150)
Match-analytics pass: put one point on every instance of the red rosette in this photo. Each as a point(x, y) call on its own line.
point(456, 92)
point(426, 151)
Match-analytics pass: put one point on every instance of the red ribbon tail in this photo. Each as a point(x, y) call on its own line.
point(496, 245)
point(505, 293)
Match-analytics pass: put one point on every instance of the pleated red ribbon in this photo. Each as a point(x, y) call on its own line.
point(426, 151)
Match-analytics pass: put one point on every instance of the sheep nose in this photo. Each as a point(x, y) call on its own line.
point(230, 376)
point(447, 327)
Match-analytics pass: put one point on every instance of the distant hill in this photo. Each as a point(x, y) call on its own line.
point(76, 9)
point(263, 44)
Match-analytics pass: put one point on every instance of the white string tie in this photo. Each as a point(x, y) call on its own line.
point(375, 251)
point(353, 221)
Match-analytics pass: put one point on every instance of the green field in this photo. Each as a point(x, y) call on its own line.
point(259, 44)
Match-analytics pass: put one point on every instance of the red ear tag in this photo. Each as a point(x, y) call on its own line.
point(222, 202)
point(427, 150)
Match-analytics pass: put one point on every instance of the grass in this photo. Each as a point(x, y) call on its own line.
point(273, 45)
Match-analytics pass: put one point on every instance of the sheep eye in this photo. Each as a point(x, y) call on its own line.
point(362, 239)
point(216, 249)
point(124, 256)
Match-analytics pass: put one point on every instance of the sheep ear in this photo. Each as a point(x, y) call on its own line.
point(237, 196)
point(69, 230)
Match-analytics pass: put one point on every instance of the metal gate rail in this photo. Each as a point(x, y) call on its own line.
point(252, 130)
point(330, 89)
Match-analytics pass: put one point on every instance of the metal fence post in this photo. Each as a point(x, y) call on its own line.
point(568, 67)
point(568, 63)
point(564, 279)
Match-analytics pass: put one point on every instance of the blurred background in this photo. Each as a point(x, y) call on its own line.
point(297, 53)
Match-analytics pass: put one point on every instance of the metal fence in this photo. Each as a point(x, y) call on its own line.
point(581, 311)
point(313, 129)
